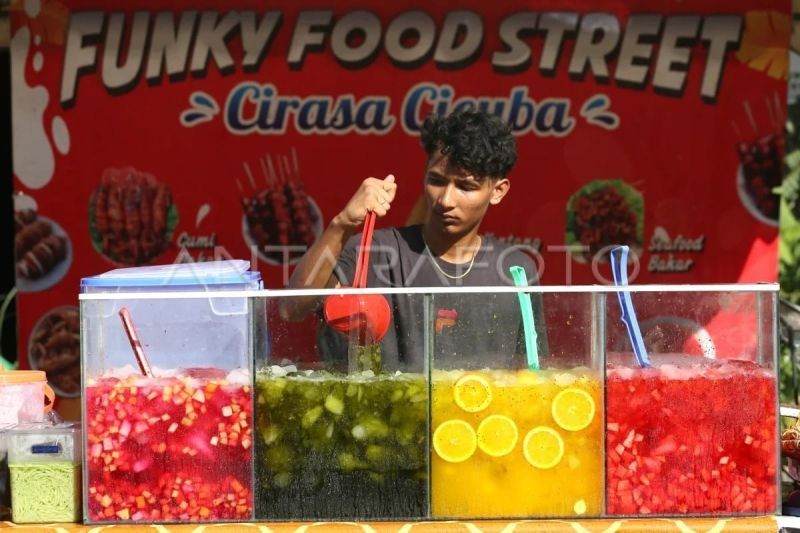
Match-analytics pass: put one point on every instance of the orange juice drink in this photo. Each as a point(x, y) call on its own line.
point(512, 443)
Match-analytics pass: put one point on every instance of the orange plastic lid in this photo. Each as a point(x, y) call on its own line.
point(22, 376)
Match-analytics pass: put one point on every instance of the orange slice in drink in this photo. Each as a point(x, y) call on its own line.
point(543, 447)
point(573, 409)
point(497, 435)
point(455, 441)
point(472, 393)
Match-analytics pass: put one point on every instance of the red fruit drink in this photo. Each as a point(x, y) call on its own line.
point(169, 448)
point(691, 436)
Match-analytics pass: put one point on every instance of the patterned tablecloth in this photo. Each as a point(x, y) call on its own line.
point(639, 525)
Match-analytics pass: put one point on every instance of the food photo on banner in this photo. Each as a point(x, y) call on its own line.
point(160, 133)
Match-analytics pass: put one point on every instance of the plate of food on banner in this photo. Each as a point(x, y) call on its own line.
point(759, 174)
point(54, 347)
point(42, 249)
point(602, 214)
point(132, 216)
point(280, 220)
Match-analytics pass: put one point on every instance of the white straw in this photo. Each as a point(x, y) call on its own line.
point(296, 164)
point(752, 120)
point(772, 120)
point(279, 165)
point(271, 168)
point(250, 175)
point(264, 171)
point(737, 131)
point(289, 175)
point(778, 108)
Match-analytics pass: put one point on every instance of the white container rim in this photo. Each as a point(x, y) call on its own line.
point(538, 289)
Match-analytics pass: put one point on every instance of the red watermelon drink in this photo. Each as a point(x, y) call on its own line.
point(691, 436)
point(170, 448)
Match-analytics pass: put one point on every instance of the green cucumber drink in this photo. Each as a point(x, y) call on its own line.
point(336, 446)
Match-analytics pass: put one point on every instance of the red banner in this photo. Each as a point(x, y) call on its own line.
point(179, 131)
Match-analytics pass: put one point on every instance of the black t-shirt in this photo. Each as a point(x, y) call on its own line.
point(469, 330)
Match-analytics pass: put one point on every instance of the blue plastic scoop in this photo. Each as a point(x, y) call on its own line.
point(531, 350)
point(619, 269)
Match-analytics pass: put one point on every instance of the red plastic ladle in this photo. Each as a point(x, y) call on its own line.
point(368, 315)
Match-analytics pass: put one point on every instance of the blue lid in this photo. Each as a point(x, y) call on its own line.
point(203, 274)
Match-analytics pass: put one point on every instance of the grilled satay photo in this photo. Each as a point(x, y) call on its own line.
point(68, 380)
point(101, 208)
point(280, 214)
point(160, 209)
point(149, 244)
point(301, 212)
point(23, 218)
point(43, 257)
point(131, 214)
point(61, 350)
point(133, 197)
point(55, 349)
point(146, 208)
point(115, 213)
point(29, 235)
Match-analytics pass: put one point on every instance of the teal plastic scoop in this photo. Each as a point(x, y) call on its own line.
point(532, 351)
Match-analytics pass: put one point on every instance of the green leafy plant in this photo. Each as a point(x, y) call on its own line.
point(789, 245)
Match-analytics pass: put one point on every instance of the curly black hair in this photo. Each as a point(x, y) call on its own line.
point(475, 141)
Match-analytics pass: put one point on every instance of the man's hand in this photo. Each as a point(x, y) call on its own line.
point(373, 195)
point(315, 269)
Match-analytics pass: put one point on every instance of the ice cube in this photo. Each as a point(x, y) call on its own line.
point(205, 373)
point(565, 379)
point(624, 373)
point(277, 371)
point(122, 372)
point(238, 376)
point(674, 373)
point(165, 372)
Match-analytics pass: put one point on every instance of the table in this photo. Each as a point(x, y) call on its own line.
point(637, 525)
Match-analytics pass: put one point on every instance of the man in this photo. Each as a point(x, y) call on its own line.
point(470, 155)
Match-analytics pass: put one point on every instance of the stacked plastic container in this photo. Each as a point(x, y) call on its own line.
point(25, 397)
point(44, 461)
point(168, 433)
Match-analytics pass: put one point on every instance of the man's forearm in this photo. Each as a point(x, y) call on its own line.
point(315, 270)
